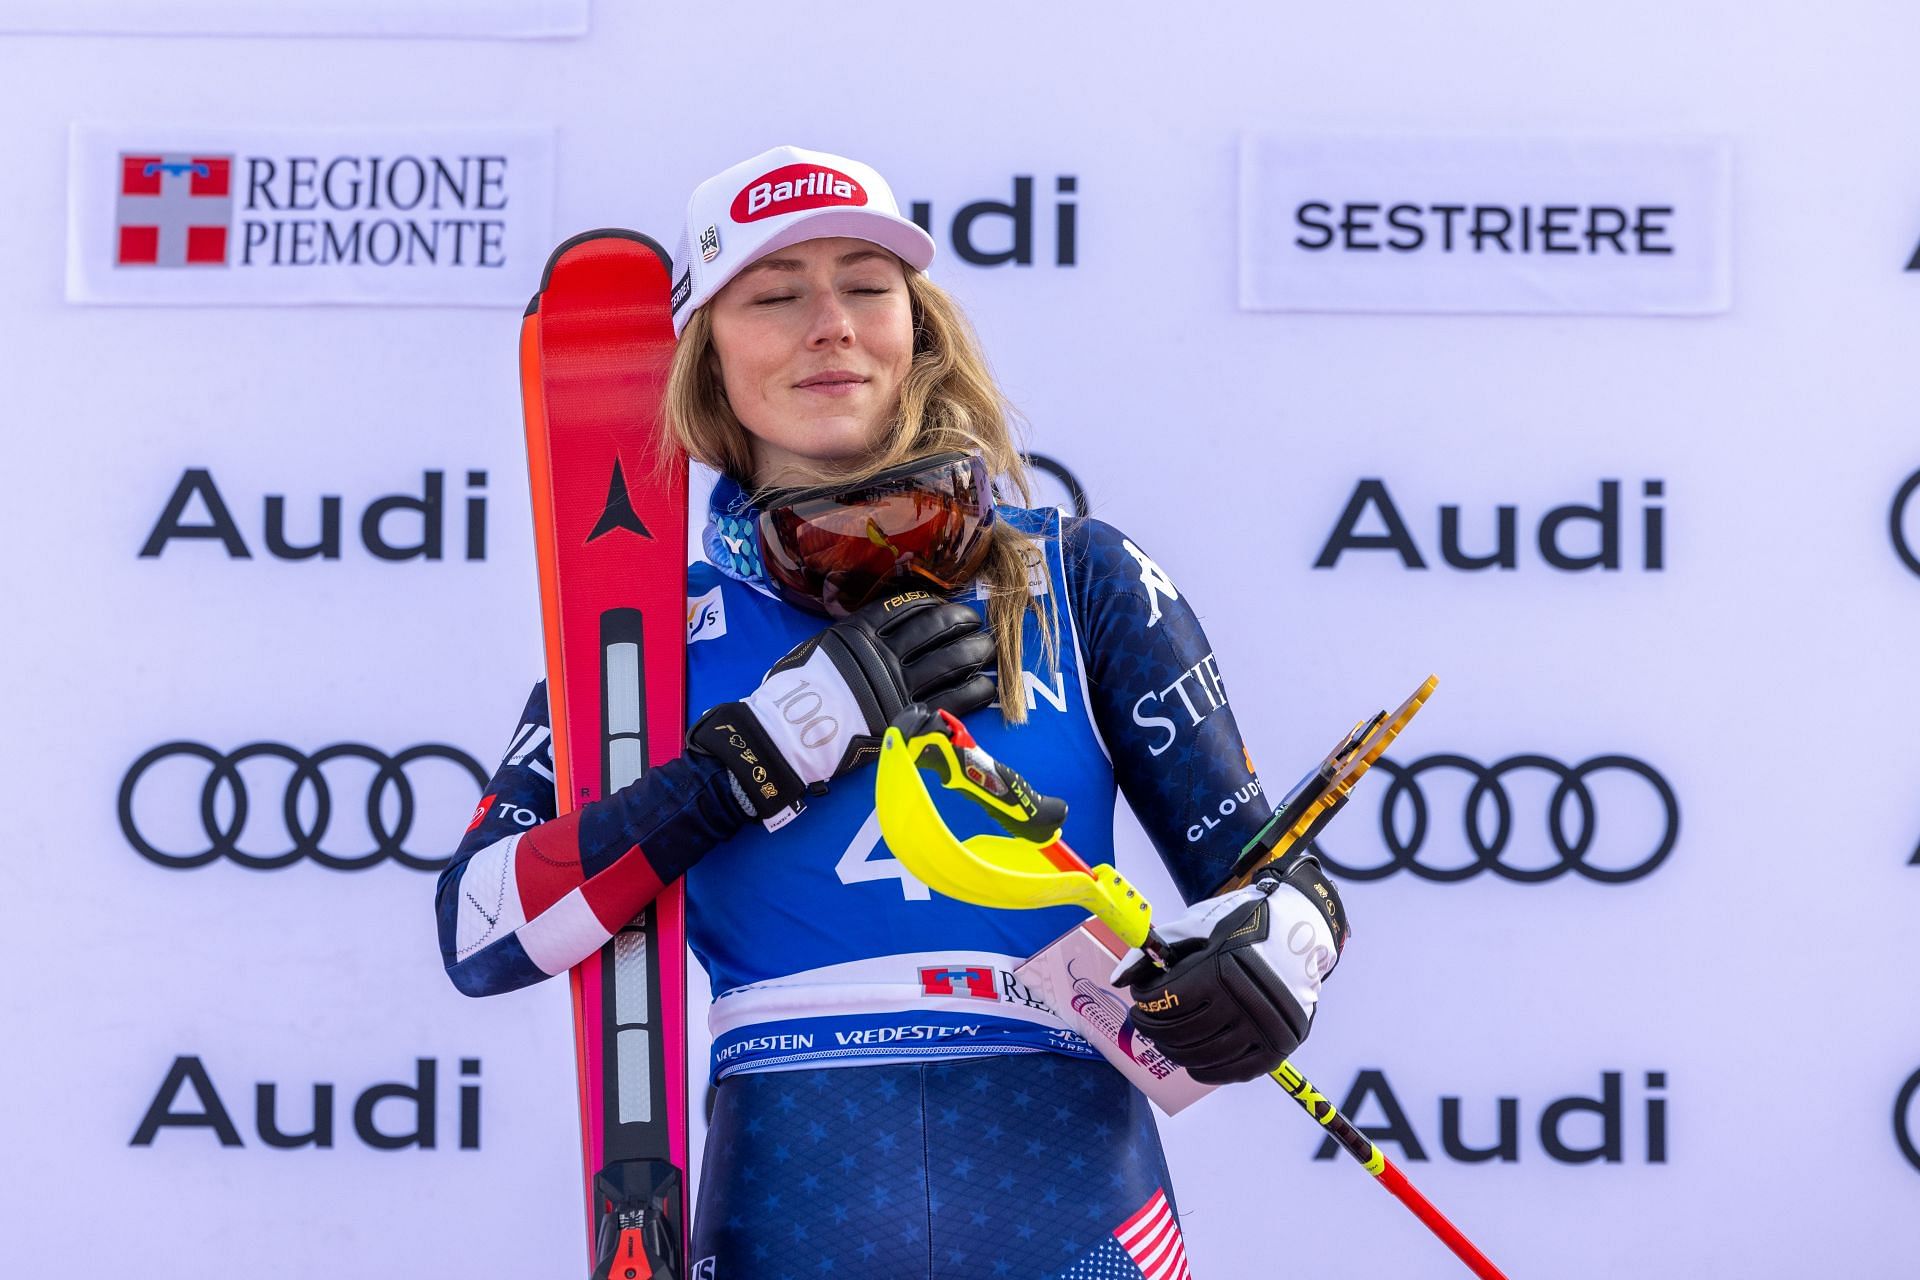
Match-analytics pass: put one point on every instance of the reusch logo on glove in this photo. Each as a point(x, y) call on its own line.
point(904, 598)
point(793, 188)
point(1167, 1001)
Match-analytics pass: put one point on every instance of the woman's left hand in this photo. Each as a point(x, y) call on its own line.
point(1243, 976)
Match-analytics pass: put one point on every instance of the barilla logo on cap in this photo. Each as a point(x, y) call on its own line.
point(792, 188)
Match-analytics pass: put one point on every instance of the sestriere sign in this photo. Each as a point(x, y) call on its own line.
point(1562, 226)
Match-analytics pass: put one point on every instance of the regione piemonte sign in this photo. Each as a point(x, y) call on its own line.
point(170, 216)
point(1567, 226)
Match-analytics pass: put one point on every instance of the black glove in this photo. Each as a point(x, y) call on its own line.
point(1243, 977)
point(821, 710)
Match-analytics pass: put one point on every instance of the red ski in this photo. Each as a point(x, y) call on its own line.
point(610, 528)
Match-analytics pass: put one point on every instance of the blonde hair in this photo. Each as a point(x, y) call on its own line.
point(948, 402)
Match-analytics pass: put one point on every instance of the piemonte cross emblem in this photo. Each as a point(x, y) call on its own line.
point(174, 210)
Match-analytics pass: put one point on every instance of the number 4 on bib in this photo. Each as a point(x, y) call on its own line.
point(867, 858)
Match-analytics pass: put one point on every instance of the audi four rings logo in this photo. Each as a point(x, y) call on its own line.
point(1897, 523)
point(1075, 493)
point(1903, 1120)
point(227, 813)
point(1640, 807)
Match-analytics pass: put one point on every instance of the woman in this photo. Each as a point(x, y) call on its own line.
point(889, 1103)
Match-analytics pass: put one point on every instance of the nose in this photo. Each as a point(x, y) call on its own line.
point(829, 324)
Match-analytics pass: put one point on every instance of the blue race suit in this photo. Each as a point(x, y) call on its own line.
point(821, 950)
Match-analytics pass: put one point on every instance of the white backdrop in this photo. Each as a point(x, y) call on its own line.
point(1760, 972)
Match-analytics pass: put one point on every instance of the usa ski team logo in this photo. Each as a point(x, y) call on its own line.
point(175, 210)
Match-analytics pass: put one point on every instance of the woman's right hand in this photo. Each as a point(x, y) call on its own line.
point(821, 710)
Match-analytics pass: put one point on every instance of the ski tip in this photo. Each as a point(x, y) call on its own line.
point(571, 243)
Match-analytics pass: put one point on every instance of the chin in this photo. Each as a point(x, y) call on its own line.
point(840, 440)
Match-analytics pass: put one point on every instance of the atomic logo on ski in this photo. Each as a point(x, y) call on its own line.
point(619, 512)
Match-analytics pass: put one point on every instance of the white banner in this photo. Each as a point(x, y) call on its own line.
point(274, 588)
point(1483, 224)
point(506, 18)
point(167, 214)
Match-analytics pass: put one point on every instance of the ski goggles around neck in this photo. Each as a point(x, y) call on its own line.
point(835, 548)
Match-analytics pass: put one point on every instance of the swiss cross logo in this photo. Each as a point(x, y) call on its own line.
point(971, 981)
point(175, 210)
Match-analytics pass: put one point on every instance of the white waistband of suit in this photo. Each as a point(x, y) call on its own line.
point(968, 983)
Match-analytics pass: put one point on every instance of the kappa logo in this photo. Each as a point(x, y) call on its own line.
point(706, 617)
point(1154, 579)
point(793, 188)
point(174, 210)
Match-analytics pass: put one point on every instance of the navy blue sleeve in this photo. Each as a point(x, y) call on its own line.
point(528, 896)
point(1161, 705)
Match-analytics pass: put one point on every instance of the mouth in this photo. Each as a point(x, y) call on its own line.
point(832, 380)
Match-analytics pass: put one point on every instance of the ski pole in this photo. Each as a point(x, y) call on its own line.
point(1032, 867)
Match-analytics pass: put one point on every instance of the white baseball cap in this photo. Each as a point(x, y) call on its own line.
point(778, 198)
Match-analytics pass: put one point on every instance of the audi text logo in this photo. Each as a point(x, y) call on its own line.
point(185, 804)
point(1506, 804)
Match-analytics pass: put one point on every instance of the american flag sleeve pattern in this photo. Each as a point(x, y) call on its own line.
point(528, 895)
